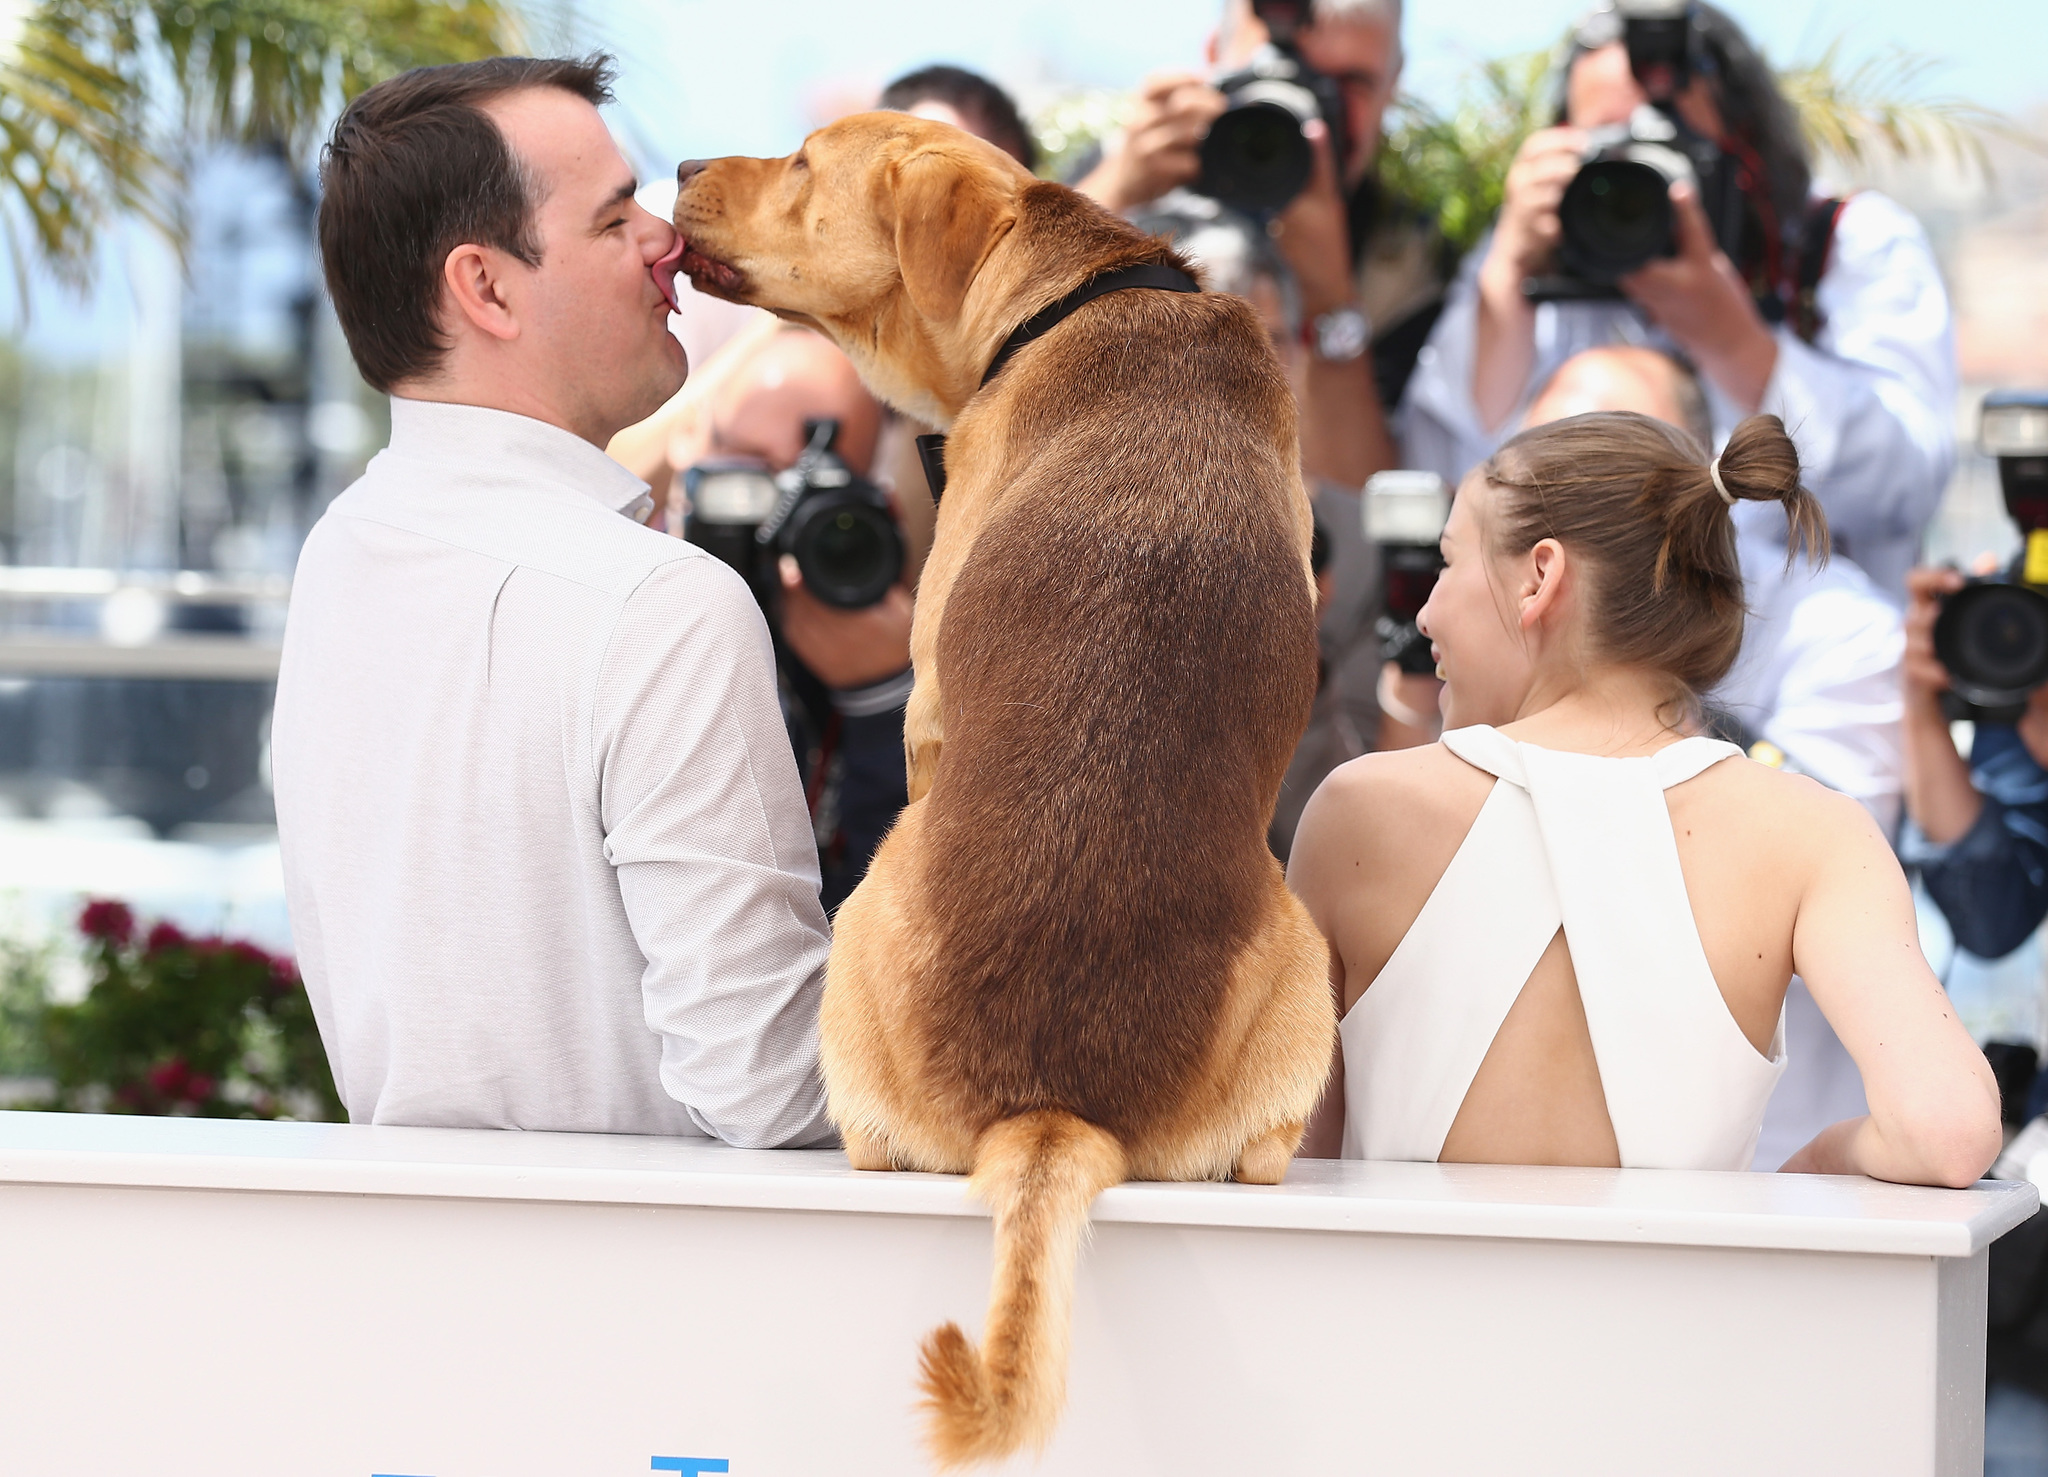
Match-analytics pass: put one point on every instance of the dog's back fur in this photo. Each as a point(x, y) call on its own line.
point(1128, 657)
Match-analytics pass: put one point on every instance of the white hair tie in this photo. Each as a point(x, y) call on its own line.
point(1714, 471)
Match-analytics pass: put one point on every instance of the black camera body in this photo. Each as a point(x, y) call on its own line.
point(1616, 216)
point(1992, 634)
point(1405, 513)
point(837, 524)
point(1256, 156)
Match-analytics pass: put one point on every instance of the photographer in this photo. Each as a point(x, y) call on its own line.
point(1980, 828)
point(1829, 314)
point(1372, 274)
point(844, 674)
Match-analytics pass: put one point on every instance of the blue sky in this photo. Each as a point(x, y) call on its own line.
point(705, 77)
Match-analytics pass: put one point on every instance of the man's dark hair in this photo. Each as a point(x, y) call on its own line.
point(413, 169)
point(974, 98)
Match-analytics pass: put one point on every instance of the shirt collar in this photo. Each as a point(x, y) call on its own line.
point(517, 446)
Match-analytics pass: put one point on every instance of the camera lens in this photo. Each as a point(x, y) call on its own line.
point(1616, 216)
point(1994, 641)
point(849, 551)
point(1255, 156)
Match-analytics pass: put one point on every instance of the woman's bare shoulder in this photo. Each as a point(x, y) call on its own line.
point(1382, 802)
point(1790, 809)
point(1403, 784)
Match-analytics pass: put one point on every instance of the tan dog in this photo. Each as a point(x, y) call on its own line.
point(1074, 960)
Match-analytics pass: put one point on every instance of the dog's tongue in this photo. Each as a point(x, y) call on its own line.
point(665, 271)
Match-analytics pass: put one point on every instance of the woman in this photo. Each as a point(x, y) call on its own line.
point(1567, 939)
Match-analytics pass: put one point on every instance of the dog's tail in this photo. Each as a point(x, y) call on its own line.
point(1038, 1172)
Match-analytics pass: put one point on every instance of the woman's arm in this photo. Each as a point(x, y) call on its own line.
point(1933, 1102)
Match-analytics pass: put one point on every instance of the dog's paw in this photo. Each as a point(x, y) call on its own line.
point(865, 1152)
point(1264, 1160)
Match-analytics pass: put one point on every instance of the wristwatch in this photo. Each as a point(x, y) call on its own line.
point(1340, 335)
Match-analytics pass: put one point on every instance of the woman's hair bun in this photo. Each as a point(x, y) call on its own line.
point(1632, 496)
point(1759, 464)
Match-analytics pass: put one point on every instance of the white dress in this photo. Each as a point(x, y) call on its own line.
point(1583, 843)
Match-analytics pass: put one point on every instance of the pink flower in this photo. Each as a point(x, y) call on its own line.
point(108, 921)
point(165, 936)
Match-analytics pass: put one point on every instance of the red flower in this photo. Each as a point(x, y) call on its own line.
point(173, 1078)
point(108, 921)
point(165, 936)
point(247, 953)
point(284, 977)
point(200, 1088)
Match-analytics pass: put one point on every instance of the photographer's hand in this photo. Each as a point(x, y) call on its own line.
point(1939, 795)
point(1344, 436)
point(1524, 239)
point(1701, 301)
point(845, 648)
point(1159, 148)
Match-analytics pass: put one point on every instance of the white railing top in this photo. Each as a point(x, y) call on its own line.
point(1836, 1213)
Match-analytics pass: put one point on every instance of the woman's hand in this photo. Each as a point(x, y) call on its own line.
point(1701, 301)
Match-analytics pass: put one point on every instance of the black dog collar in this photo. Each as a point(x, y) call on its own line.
point(931, 450)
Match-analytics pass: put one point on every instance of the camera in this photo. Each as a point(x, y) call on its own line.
point(1616, 216)
point(1405, 513)
point(1255, 157)
point(837, 525)
point(1992, 634)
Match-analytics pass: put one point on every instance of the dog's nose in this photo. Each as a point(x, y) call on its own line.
point(688, 170)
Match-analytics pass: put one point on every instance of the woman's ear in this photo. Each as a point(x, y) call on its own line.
point(1544, 577)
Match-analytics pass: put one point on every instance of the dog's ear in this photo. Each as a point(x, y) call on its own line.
point(949, 217)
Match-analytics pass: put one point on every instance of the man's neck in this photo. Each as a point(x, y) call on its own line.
point(513, 399)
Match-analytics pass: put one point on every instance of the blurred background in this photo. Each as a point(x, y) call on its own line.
point(177, 406)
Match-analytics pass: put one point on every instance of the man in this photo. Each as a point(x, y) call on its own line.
point(1372, 274)
point(1816, 687)
point(544, 848)
point(966, 100)
point(1836, 320)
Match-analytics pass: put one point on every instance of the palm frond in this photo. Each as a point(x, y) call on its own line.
point(273, 70)
point(1455, 165)
point(72, 145)
point(1879, 105)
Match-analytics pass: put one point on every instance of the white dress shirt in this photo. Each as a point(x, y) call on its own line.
point(1870, 404)
point(546, 856)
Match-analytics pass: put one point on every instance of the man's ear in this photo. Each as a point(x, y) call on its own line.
point(949, 217)
point(473, 277)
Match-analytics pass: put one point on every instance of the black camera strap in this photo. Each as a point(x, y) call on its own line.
point(931, 450)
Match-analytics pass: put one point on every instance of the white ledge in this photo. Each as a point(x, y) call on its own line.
point(1824, 1213)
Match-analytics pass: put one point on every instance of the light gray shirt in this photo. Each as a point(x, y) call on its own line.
point(547, 859)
